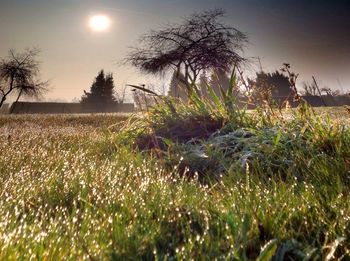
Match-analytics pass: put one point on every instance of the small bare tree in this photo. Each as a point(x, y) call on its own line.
point(19, 74)
point(330, 92)
point(200, 43)
point(310, 89)
point(120, 94)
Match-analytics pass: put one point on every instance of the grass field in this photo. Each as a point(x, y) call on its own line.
point(70, 190)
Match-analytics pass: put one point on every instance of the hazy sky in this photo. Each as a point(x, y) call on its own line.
point(314, 36)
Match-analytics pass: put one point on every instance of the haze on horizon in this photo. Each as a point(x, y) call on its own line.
point(313, 36)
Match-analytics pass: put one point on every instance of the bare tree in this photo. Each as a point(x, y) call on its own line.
point(144, 100)
point(200, 43)
point(310, 89)
point(19, 74)
point(330, 92)
point(120, 94)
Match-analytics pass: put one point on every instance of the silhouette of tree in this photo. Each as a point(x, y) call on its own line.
point(219, 80)
point(276, 83)
point(310, 89)
point(330, 92)
point(200, 43)
point(101, 91)
point(177, 87)
point(19, 74)
point(313, 90)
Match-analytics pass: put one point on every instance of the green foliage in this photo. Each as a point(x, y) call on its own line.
point(268, 251)
point(182, 121)
point(214, 135)
point(67, 192)
point(297, 160)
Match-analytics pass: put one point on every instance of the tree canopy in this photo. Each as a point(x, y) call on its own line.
point(277, 83)
point(101, 91)
point(19, 75)
point(199, 43)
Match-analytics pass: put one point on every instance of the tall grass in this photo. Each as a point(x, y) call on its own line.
point(73, 197)
point(198, 181)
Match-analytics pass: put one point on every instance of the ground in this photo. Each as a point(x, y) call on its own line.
point(68, 191)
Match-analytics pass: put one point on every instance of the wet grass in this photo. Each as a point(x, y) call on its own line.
point(72, 188)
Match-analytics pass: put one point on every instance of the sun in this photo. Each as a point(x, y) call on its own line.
point(99, 23)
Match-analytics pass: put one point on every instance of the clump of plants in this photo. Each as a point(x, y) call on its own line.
point(285, 170)
point(215, 136)
point(296, 154)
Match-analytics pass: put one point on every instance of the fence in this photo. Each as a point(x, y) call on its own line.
point(4, 109)
point(62, 108)
point(318, 101)
point(66, 108)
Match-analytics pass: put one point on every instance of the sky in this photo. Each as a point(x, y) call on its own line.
point(313, 36)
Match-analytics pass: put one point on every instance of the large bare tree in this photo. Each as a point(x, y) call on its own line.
point(200, 43)
point(19, 75)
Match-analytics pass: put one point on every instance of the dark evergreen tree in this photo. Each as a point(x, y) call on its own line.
point(108, 93)
point(277, 83)
point(101, 91)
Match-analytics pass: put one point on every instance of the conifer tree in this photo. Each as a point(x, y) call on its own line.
point(101, 91)
point(109, 88)
point(275, 82)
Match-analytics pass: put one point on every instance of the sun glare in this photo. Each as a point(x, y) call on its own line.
point(99, 23)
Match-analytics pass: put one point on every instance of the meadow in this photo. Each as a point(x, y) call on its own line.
point(76, 187)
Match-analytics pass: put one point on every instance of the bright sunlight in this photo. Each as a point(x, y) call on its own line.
point(99, 23)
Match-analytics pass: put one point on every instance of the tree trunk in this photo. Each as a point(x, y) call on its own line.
point(3, 99)
point(14, 104)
